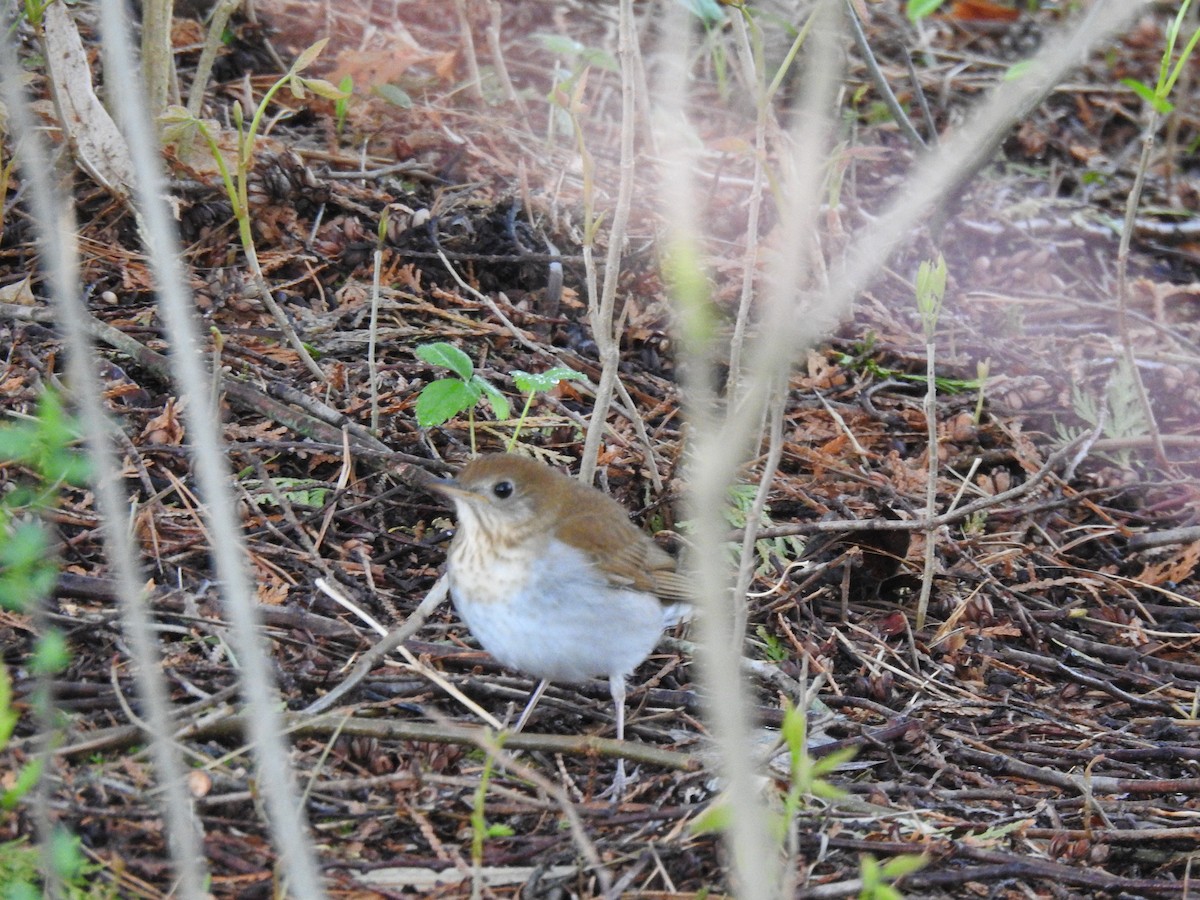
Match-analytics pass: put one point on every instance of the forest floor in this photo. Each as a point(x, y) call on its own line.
point(1038, 737)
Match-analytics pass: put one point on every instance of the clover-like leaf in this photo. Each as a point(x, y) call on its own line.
point(447, 356)
point(444, 399)
point(530, 383)
point(496, 400)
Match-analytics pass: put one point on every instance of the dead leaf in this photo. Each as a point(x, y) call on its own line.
point(1174, 570)
point(982, 11)
point(165, 428)
point(98, 145)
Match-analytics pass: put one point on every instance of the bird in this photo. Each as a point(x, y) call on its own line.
point(554, 580)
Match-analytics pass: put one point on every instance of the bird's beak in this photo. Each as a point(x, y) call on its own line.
point(446, 486)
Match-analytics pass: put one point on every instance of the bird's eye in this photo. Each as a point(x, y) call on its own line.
point(503, 489)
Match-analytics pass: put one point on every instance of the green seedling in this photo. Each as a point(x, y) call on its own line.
point(920, 9)
point(445, 398)
point(1118, 414)
point(974, 524)
point(531, 385)
point(736, 513)
point(931, 291)
point(181, 125)
point(481, 831)
point(78, 879)
point(808, 778)
point(1170, 67)
point(342, 105)
point(181, 128)
point(44, 445)
point(573, 62)
point(773, 648)
point(25, 779)
point(876, 878)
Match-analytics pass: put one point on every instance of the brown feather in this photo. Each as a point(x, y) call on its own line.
point(590, 520)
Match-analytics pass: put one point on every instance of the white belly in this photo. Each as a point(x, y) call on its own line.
point(569, 627)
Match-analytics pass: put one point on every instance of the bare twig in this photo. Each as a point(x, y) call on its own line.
point(602, 310)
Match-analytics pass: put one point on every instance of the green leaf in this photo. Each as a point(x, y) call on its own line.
point(600, 59)
point(919, 9)
point(498, 830)
point(67, 466)
point(176, 115)
point(685, 274)
point(394, 95)
point(869, 870)
point(444, 399)
point(496, 400)
point(17, 442)
point(27, 778)
point(448, 357)
point(529, 383)
point(904, 864)
point(20, 589)
point(1142, 90)
point(833, 761)
point(323, 88)
point(559, 45)
point(793, 729)
point(775, 650)
point(1017, 70)
point(69, 860)
point(296, 491)
point(8, 716)
point(713, 820)
point(24, 547)
point(25, 891)
point(826, 791)
point(50, 654)
point(306, 59)
point(707, 11)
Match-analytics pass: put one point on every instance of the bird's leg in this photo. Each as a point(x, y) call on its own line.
point(530, 704)
point(616, 687)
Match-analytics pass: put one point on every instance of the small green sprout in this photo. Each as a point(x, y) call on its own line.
point(1170, 67)
point(931, 291)
point(531, 385)
point(481, 830)
point(919, 9)
point(875, 877)
point(342, 105)
point(445, 398)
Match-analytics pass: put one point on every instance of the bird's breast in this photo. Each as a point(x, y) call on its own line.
point(557, 618)
point(486, 573)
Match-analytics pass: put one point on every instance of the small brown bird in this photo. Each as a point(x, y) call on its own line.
point(554, 580)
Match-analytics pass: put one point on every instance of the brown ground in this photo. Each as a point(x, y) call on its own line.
point(1038, 738)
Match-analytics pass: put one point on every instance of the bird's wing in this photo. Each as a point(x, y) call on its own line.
point(625, 553)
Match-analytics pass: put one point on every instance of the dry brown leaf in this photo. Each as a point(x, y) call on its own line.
point(982, 11)
point(97, 144)
point(1174, 570)
point(166, 428)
